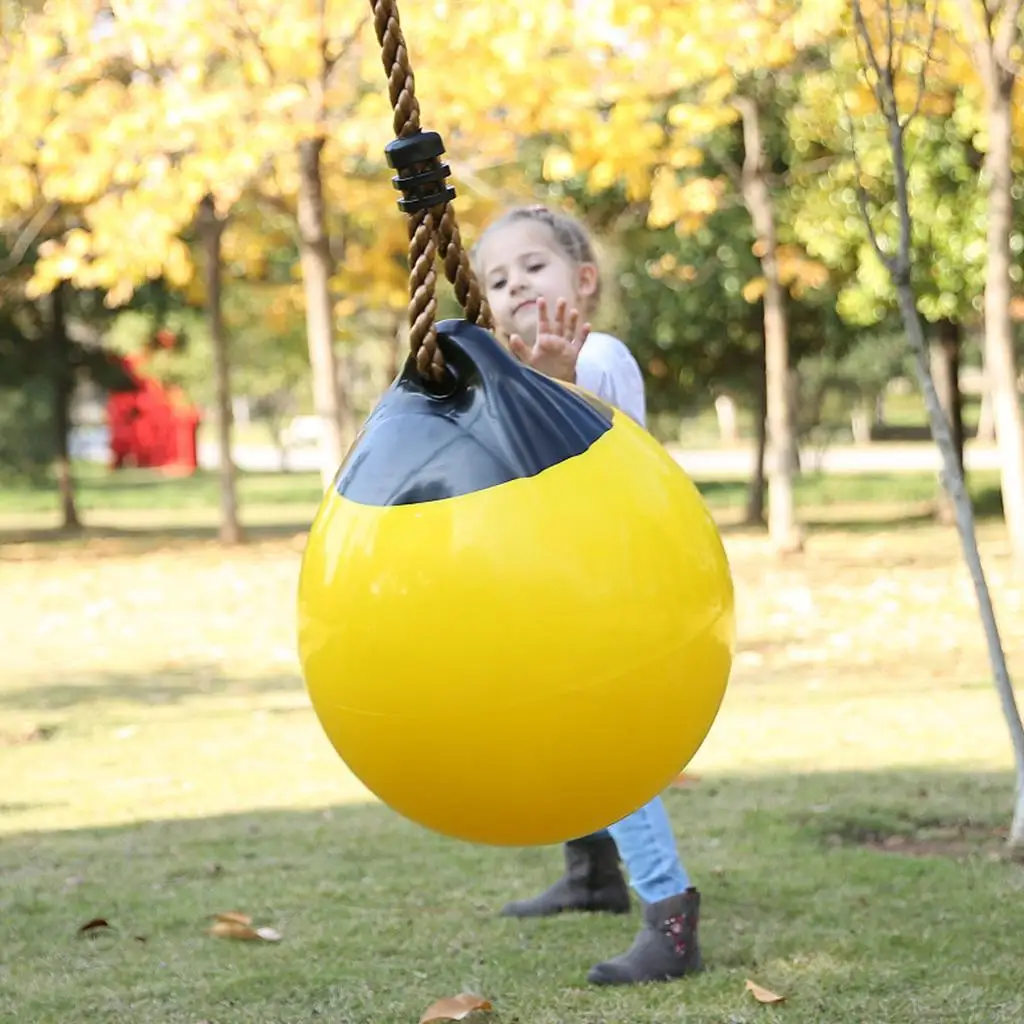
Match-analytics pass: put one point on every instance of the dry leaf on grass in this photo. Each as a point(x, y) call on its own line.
point(455, 1008)
point(235, 925)
point(94, 925)
point(234, 916)
point(37, 734)
point(763, 995)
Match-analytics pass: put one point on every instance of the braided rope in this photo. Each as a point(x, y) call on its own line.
point(434, 231)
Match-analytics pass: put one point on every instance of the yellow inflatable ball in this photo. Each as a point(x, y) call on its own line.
point(515, 613)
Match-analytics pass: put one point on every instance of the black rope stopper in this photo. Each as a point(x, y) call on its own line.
point(421, 175)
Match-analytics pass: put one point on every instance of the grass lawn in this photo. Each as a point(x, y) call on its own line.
point(161, 764)
point(145, 499)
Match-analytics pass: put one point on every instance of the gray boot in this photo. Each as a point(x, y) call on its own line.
point(666, 947)
point(592, 882)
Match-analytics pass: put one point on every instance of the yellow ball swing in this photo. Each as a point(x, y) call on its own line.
point(515, 613)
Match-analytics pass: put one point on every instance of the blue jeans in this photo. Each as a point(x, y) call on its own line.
point(648, 850)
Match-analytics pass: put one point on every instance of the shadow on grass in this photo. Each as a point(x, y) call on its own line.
point(125, 540)
point(380, 917)
point(24, 806)
point(135, 488)
point(165, 685)
point(121, 541)
point(840, 524)
point(858, 504)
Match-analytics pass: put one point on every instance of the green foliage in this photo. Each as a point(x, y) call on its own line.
point(32, 364)
point(947, 205)
point(836, 382)
point(682, 297)
point(269, 353)
point(27, 439)
point(266, 360)
point(186, 364)
point(683, 312)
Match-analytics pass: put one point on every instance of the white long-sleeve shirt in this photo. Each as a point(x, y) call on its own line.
point(607, 369)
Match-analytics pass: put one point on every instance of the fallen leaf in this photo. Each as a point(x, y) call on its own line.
point(233, 916)
point(455, 1008)
point(763, 995)
point(232, 930)
point(239, 926)
point(94, 925)
point(37, 734)
point(685, 779)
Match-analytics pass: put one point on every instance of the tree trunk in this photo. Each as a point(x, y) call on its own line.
point(755, 489)
point(985, 432)
point(900, 272)
point(793, 442)
point(315, 257)
point(725, 413)
point(860, 420)
point(782, 525)
point(63, 389)
point(945, 367)
point(954, 482)
point(230, 531)
point(1000, 360)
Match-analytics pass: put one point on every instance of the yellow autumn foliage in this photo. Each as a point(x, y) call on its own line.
point(132, 119)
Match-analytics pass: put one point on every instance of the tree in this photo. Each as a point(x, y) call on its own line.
point(47, 347)
point(995, 30)
point(669, 74)
point(282, 102)
point(887, 34)
point(688, 295)
point(63, 381)
point(778, 367)
point(690, 307)
point(41, 358)
point(948, 227)
point(211, 230)
point(215, 106)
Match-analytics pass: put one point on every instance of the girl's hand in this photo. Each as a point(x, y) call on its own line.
point(557, 346)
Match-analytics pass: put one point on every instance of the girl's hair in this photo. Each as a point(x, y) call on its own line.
point(569, 234)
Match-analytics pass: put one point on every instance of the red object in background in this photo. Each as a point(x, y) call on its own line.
point(152, 426)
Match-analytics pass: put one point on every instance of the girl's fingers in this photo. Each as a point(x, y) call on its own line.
point(560, 331)
point(542, 318)
point(519, 348)
point(571, 324)
point(560, 318)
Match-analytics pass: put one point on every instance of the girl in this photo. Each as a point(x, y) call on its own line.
point(530, 262)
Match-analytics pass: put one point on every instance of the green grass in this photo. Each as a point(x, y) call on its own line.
point(908, 410)
point(161, 764)
point(133, 489)
point(269, 496)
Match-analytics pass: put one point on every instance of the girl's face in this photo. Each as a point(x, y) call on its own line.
point(521, 263)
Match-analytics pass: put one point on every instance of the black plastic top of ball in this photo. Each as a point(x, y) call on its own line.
point(498, 421)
